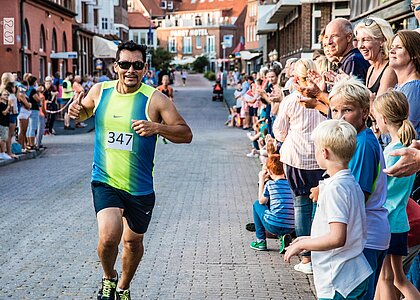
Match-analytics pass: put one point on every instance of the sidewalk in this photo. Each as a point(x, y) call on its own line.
point(59, 130)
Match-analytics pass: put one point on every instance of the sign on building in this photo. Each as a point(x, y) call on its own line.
point(227, 41)
point(8, 31)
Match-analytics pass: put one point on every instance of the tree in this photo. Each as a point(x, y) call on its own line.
point(161, 58)
point(200, 64)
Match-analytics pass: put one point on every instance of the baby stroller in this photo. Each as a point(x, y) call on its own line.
point(217, 92)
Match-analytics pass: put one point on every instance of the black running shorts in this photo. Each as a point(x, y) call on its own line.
point(137, 209)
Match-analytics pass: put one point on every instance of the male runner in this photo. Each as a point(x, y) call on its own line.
point(128, 117)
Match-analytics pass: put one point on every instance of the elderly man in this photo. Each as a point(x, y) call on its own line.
point(338, 39)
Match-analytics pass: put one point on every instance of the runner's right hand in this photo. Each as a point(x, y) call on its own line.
point(76, 106)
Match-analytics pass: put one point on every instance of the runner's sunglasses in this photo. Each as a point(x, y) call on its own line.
point(415, 7)
point(137, 65)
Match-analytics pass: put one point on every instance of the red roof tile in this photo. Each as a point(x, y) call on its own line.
point(154, 7)
point(203, 5)
point(138, 20)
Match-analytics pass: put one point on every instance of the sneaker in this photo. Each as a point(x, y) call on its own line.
point(251, 154)
point(250, 227)
point(123, 295)
point(108, 289)
point(260, 246)
point(304, 268)
point(285, 241)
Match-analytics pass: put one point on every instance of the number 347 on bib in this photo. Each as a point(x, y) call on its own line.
point(120, 140)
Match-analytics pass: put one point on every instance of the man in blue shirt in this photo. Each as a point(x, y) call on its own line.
point(339, 40)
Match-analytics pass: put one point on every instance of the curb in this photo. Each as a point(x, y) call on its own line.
point(23, 156)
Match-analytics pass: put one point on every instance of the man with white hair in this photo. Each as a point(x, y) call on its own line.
point(338, 39)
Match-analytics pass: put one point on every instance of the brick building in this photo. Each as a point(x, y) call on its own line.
point(299, 24)
point(41, 38)
point(206, 27)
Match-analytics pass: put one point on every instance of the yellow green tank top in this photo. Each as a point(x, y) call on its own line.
point(122, 158)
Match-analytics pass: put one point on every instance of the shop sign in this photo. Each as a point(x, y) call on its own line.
point(189, 32)
point(8, 31)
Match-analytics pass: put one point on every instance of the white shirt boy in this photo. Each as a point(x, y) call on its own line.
point(342, 269)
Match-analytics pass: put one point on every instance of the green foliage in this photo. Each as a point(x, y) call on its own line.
point(200, 64)
point(210, 75)
point(160, 58)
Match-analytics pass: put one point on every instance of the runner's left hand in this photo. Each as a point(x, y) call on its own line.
point(144, 128)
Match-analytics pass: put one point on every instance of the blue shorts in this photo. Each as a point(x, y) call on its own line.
point(63, 101)
point(137, 209)
point(13, 119)
point(398, 244)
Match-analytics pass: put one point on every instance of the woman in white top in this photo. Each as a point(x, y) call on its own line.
point(293, 127)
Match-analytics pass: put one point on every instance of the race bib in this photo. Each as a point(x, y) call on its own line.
point(119, 140)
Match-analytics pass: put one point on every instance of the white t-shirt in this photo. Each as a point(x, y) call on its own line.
point(237, 94)
point(342, 269)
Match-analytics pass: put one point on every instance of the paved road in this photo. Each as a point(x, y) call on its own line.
point(196, 247)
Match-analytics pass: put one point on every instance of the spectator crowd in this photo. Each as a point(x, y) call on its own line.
point(338, 140)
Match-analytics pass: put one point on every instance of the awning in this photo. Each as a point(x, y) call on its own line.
point(238, 48)
point(64, 55)
point(103, 48)
point(262, 26)
point(184, 61)
point(246, 55)
point(281, 10)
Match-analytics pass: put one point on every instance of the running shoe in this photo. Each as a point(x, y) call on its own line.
point(285, 241)
point(123, 295)
point(259, 245)
point(108, 289)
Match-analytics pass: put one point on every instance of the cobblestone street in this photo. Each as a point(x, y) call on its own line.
point(196, 246)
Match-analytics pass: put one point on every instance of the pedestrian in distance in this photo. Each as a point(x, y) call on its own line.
point(184, 77)
point(128, 117)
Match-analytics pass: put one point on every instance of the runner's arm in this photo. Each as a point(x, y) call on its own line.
point(82, 108)
point(173, 127)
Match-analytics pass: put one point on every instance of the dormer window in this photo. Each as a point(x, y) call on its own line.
point(198, 21)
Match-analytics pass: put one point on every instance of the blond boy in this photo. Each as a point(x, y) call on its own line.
point(338, 234)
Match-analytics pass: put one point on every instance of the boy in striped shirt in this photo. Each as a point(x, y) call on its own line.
point(273, 211)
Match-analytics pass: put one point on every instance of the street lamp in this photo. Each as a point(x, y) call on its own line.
point(224, 55)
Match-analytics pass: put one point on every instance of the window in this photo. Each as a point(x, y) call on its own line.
point(198, 42)
point(172, 45)
point(187, 45)
point(198, 21)
point(105, 23)
point(143, 37)
point(42, 66)
point(85, 13)
point(64, 43)
point(316, 26)
point(135, 37)
point(42, 39)
point(95, 17)
point(211, 44)
point(25, 39)
point(117, 2)
point(340, 9)
point(54, 41)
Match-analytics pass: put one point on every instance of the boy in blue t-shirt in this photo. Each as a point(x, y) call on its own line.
point(350, 101)
point(273, 211)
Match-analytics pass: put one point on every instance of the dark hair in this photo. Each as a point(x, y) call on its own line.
point(68, 74)
point(131, 46)
point(410, 40)
point(10, 87)
point(32, 80)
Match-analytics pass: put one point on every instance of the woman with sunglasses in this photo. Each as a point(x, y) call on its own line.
point(373, 37)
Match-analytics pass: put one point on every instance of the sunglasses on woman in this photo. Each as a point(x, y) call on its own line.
point(137, 65)
point(415, 7)
point(368, 22)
